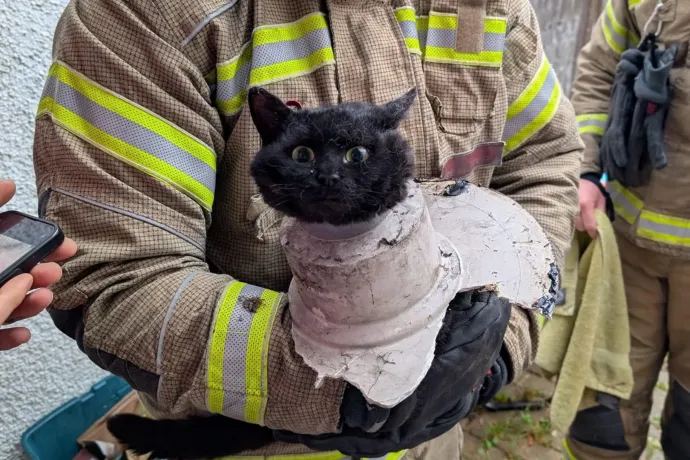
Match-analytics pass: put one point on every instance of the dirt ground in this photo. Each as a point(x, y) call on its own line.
point(529, 435)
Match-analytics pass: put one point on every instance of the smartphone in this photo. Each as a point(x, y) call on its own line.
point(24, 242)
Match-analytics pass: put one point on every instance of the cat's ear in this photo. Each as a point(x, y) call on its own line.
point(394, 112)
point(269, 114)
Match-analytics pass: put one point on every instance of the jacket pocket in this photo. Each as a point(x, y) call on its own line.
point(462, 96)
point(462, 84)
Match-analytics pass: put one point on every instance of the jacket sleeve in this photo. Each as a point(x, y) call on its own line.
point(612, 34)
point(541, 158)
point(126, 149)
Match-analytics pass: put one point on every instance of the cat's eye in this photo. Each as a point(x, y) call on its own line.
point(356, 155)
point(302, 154)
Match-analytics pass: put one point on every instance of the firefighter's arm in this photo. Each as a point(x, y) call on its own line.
point(613, 33)
point(127, 145)
point(542, 154)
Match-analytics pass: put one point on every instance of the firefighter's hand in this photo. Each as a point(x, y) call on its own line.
point(467, 347)
point(16, 302)
point(591, 199)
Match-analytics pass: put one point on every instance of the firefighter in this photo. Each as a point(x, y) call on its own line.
point(632, 97)
point(142, 149)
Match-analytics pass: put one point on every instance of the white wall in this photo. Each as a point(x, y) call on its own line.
point(49, 370)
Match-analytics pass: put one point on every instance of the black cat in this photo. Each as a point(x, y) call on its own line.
point(338, 164)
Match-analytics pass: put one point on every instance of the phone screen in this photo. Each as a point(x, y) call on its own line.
point(11, 251)
point(19, 235)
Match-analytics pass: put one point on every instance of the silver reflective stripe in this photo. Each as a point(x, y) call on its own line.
point(228, 89)
point(534, 108)
point(681, 232)
point(49, 88)
point(661, 228)
point(627, 206)
point(234, 367)
point(598, 123)
point(288, 50)
point(166, 320)
point(494, 41)
point(146, 220)
point(409, 28)
point(422, 36)
point(445, 38)
point(131, 133)
point(620, 40)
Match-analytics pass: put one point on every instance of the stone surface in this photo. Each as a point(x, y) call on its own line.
point(515, 435)
point(49, 370)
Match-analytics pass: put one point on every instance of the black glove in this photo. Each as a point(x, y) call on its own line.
point(495, 379)
point(614, 142)
point(467, 346)
point(646, 149)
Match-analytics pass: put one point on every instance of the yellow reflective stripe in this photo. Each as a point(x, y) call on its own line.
point(405, 13)
point(271, 34)
point(423, 23)
point(274, 53)
point(315, 456)
point(228, 70)
point(495, 26)
point(408, 24)
point(617, 36)
point(129, 132)
point(238, 354)
point(664, 229)
point(230, 106)
point(413, 45)
point(653, 226)
point(438, 20)
point(633, 3)
point(440, 41)
point(666, 220)
point(534, 108)
point(626, 205)
point(293, 68)
point(593, 123)
point(449, 21)
point(568, 453)
point(449, 55)
point(133, 112)
point(216, 394)
point(634, 201)
point(257, 357)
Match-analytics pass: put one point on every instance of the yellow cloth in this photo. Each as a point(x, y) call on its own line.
point(587, 343)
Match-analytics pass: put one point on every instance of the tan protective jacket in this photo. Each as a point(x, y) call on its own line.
point(656, 216)
point(142, 152)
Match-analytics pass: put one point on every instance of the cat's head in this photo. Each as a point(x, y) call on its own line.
point(338, 164)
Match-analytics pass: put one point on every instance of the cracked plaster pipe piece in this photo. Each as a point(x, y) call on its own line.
point(368, 300)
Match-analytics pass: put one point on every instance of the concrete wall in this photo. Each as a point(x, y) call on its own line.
point(49, 370)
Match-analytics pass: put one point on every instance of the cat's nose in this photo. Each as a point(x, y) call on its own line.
point(328, 179)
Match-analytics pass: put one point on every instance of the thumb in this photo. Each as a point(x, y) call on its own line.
point(7, 189)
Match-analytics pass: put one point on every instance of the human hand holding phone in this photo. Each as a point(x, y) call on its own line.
point(16, 300)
